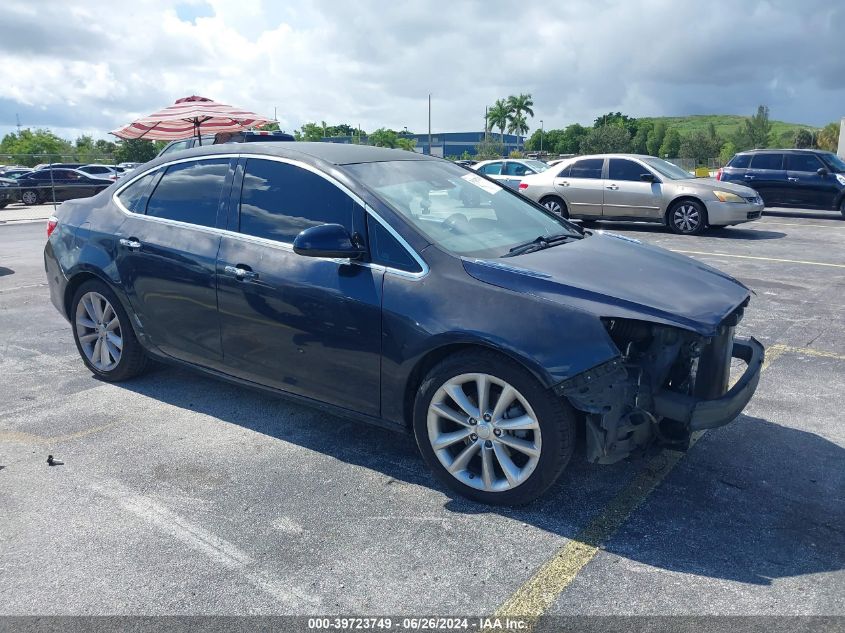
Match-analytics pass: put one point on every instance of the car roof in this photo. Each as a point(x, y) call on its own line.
point(800, 150)
point(333, 153)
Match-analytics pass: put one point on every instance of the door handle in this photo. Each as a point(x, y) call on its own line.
point(792, 179)
point(613, 187)
point(564, 183)
point(241, 273)
point(747, 177)
point(130, 243)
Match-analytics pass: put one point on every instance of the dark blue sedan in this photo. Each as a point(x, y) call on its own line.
point(405, 291)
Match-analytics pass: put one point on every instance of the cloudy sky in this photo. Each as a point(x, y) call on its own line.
point(89, 66)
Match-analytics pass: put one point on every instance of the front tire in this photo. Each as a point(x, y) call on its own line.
point(103, 334)
point(687, 217)
point(842, 208)
point(490, 431)
point(556, 205)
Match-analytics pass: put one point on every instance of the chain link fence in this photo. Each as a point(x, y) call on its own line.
point(49, 178)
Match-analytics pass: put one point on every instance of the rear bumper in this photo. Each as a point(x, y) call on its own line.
point(723, 213)
point(698, 414)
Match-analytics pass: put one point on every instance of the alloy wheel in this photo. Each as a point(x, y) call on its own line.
point(99, 332)
point(29, 197)
point(484, 432)
point(686, 218)
point(553, 206)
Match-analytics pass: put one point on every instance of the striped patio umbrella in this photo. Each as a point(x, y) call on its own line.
point(190, 116)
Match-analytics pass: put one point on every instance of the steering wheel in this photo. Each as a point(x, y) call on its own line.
point(457, 223)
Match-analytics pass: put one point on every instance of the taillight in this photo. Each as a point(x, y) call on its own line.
point(719, 174)
point(523, 185)
point(52, 223)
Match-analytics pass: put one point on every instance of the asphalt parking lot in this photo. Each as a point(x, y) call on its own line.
point(183, 495)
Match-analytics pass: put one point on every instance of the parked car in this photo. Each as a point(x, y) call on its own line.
point(8, 191)
point(246, 136)
point(463, 162)
point(644, 188)
point(310, 270)
point(14, 172)
point(109, 172)
point(57, 165)
point(803, 178)
point(128, 166)
point(39, 186)
point(510, 172)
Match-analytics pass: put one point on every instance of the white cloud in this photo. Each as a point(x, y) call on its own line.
point(94, 66)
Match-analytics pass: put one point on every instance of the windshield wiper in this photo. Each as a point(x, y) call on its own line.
point(540, 242)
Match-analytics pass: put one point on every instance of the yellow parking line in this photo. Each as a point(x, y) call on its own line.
point(806, 351)
point(540, 591)
point(767, 259)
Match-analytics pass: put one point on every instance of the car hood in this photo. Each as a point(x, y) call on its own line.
point(709, 184)
point(614, 276)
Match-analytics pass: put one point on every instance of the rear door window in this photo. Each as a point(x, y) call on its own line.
point(279, 201)
point(517, 169)
point(740, 161)
point(564, 173)
point(767, 161)
point(491, 169)
point(190, 192)
point(134, 197)
point(803, 162)
point(587, 168)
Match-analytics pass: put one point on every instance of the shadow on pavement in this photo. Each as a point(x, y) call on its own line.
point(800, 213)
point(6, 271)
point(752, 502)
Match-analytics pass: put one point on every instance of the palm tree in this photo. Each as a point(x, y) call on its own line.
point(517, 124)
point(519, 106)
point(498, 115)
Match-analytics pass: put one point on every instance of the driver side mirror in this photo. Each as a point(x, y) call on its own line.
point(326, 240)
point(821, 171)
point(647, 177)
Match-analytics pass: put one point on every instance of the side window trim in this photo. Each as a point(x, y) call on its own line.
point(403, 243)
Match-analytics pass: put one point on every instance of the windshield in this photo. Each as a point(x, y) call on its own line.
point(834, 161)
point(536, 165)
point(666, 169)
point(459, 211)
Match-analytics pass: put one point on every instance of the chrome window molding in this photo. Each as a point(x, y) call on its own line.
point(287, 246)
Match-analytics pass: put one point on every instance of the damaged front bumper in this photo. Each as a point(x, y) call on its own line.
point(697, 414)
point(666, 384)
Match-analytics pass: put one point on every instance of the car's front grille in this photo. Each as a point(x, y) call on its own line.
point(753, 215)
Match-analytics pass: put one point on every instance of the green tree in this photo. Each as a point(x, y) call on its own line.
point(639, 143)
point(758, 129)
point(655, 138)
point(309, 132)
point(618, 119)
point(489, 149)
point(31, 147)
point(383, 137)
point(727, 152)
point(137, 150)
point(828, 137)
point(804, 139)
point(671, 144)
point(406, 143)
point(521, 107)
point(606, 139)
point(497, 116)
point(699, 146)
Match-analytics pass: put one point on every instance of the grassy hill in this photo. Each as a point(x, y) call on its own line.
point(725, 124)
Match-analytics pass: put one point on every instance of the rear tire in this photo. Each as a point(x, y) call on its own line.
point(842, 208)
point(687, 217)
point(556, 205)
point(507, 453)
point(30, 197)
point(103, 333)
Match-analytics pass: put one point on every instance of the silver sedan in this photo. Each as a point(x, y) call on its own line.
point(644, 188)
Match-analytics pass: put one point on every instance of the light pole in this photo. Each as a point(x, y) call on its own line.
point(541, 137)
